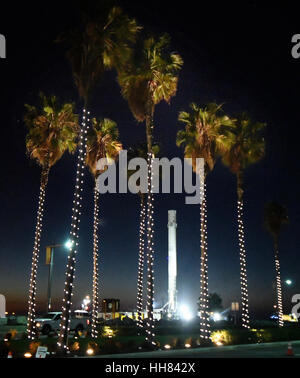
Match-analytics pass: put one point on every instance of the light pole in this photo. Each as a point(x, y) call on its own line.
point(49, 261)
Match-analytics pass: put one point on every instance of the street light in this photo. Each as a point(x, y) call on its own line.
point(288, 282)
point(49, 261)
point(68, 244)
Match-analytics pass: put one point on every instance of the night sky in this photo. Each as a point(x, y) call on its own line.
point(237, 55)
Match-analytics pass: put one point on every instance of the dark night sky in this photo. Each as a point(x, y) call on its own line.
point(237, 55)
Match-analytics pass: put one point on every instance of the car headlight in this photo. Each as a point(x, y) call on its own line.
point(38, 325)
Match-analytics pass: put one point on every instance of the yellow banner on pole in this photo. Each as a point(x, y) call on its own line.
point(48, 255)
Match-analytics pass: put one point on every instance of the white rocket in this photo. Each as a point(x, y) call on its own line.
point(172, 265)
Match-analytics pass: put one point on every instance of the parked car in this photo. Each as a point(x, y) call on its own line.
point(51, 322)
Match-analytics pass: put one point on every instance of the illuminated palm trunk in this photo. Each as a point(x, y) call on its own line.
point(74, 236)
point(95, 299)
point(31, 331)
point(150, 334)
point(278, 286)
point(141, 262)
point(242, 254)
point(203, 301)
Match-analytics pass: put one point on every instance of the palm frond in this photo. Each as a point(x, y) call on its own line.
point(52, 129)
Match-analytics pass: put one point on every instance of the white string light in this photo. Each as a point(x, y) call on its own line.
point(141, 263)
point(204, 297)
point(31, 330)
point(150, 335)
point(243, 269)
point(95, 299)
point(74, 235)
point(279, 291)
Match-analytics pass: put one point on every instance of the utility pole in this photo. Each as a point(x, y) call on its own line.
point(49, 261)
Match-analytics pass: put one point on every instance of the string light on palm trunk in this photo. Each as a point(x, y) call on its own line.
point(279, 292)
point(243, 269)
point(74, 235)
point(141, 263)
point(204, 297)
point(95, 304)
point(150, 254)
point(31, 330)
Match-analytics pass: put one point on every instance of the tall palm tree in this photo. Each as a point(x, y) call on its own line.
point(275, 216)
point(202, 138)
point(103, 142)
point(141, 152)
point(247, 146)
point(149, 77)
point(52, 130)
point(103, 42)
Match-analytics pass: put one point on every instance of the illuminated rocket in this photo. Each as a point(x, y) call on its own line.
point(172, 264)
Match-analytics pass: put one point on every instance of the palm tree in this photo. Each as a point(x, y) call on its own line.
point(275, 216)
point(102, 43)
point(141, 152)
point(246, 147)
point(52, 130)
point(202, 138)
point(149, 77)
point(102, 143)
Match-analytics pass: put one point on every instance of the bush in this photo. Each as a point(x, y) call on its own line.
point(242, 336)
point(177, 343)
point(110, 347)
point(127, 331)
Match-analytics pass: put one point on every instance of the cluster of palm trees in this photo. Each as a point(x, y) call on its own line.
point(147, 72)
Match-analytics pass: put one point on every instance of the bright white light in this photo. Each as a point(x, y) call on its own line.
point(187, 345)
point(185, 313)
point(68, 244)
point(90, 351)
point(217, 317)
point(167, 346)
point(288, 282)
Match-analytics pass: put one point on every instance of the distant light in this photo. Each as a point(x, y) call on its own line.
point(217, 317)
point(288, 282)
point(90, 351)
point(185, 313)
point(187, 345)
point(68, 244)
point(167, 346)
point(219, 343)
point(27, 355)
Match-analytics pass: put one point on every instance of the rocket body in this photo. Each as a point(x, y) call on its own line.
point(172, 264)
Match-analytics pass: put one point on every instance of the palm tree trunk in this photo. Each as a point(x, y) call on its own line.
point(278, 284)
point(74, 236)
point(203, 300)
point(150, 235)
point(243, 266)
point(31, 331)
point(140, 285)
point(95, 299)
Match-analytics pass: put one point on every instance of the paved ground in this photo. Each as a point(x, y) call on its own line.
point(267, 350)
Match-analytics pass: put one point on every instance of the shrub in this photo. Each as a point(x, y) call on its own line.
point(110, 347)
point(222, 337)
point(33, 347)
